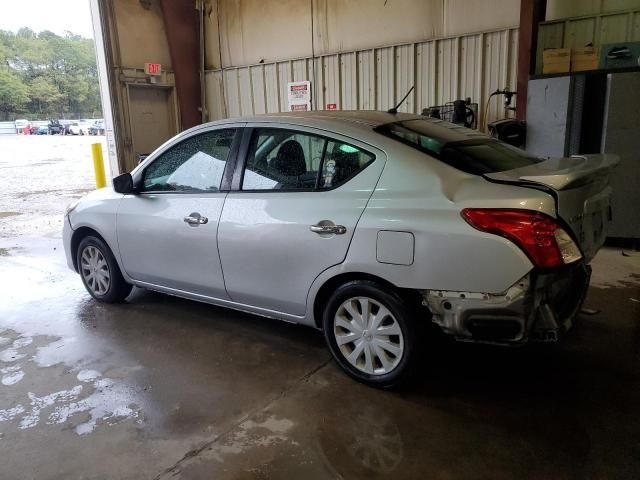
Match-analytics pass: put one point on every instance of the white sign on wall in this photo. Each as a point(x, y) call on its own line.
point(299, 95)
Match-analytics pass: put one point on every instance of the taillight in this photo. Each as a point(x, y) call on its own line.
point(545, 242)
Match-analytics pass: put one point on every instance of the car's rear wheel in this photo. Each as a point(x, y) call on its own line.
point(99, 271)
point(370, 333)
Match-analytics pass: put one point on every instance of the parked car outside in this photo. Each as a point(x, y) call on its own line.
point(84, 125)
point(21, 124)
point(366, 225)
point(55, 127)
point(66, 127)
point(43, 130)
point(97, 128)
point(75, 129)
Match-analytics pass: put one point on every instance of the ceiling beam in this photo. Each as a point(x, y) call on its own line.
point(181, 21)
point(532, 12)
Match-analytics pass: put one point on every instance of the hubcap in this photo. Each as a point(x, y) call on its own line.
point(95, 270)
point(368, 335)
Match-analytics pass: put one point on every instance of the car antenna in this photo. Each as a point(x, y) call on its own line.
point(394, 110)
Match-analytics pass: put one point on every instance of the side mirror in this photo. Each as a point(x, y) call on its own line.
point(123, 183)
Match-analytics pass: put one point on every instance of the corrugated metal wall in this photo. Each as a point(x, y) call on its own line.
point(442, 70)
point(593, 29)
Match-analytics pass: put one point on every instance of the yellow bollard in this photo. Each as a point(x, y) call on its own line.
point(98, 165)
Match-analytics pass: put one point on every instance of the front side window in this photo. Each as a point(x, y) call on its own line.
point(281, 159)
point(196, 164)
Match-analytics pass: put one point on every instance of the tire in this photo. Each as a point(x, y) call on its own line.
point(384, 361)
point(99, 271)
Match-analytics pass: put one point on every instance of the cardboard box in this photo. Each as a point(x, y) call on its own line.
point(620, 55)
point(583, 59)
point(556, 60)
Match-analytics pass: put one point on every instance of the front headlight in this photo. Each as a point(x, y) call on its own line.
point(71, 207)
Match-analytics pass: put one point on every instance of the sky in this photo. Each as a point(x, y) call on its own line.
point(55, 15)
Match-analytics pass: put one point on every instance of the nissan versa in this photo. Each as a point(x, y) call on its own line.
point(362, 224)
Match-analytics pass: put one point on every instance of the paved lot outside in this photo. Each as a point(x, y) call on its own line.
point(41, 175)
point(166, 388)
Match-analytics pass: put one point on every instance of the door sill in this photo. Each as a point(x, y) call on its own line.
point(263, 312)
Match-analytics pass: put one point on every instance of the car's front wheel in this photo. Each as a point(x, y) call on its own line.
point(370, 333)
point(100, 272)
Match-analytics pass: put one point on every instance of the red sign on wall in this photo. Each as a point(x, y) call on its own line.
point(153, 68)
point(332, 106)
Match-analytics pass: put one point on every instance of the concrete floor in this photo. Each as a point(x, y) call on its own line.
point(166, 388)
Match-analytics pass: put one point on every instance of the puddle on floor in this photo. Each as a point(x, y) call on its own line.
point(89, 400)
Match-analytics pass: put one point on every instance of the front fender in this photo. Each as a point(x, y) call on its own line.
point(97, 211)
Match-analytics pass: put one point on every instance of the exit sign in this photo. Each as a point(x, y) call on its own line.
point(152, 68)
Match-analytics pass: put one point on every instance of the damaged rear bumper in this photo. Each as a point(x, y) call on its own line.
point(541, 306)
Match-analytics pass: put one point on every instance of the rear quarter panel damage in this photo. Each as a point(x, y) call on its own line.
point(420, 195)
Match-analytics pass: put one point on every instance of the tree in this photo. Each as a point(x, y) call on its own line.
point(14, 94)
point(48, 75)
point(45, 95)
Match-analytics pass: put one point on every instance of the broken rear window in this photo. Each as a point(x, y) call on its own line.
point(476, 156)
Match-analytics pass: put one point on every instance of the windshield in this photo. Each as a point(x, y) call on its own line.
point(477, 156)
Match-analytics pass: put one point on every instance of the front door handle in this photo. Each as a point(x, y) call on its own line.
point(194, 219)
point(328, 229)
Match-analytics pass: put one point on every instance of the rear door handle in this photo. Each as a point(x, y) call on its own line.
point(328, 229)
point(194, 219)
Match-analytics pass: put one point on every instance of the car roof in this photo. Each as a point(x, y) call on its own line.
point(371, 118)
point(354, 121)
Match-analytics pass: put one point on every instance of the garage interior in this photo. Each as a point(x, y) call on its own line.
point(169, 388)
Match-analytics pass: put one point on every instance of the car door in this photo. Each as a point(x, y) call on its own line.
point(292, 212)
point(167, 231)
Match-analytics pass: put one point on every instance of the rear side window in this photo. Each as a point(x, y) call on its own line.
point(290, 160)
point(476, 156)
point(283, 160)
point(341, 162)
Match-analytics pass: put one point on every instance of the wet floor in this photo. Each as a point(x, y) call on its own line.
point(167, 388)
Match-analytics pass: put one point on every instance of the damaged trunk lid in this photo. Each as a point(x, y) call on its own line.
point(581, 186)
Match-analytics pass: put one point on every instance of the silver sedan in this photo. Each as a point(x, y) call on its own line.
point(363, 224)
